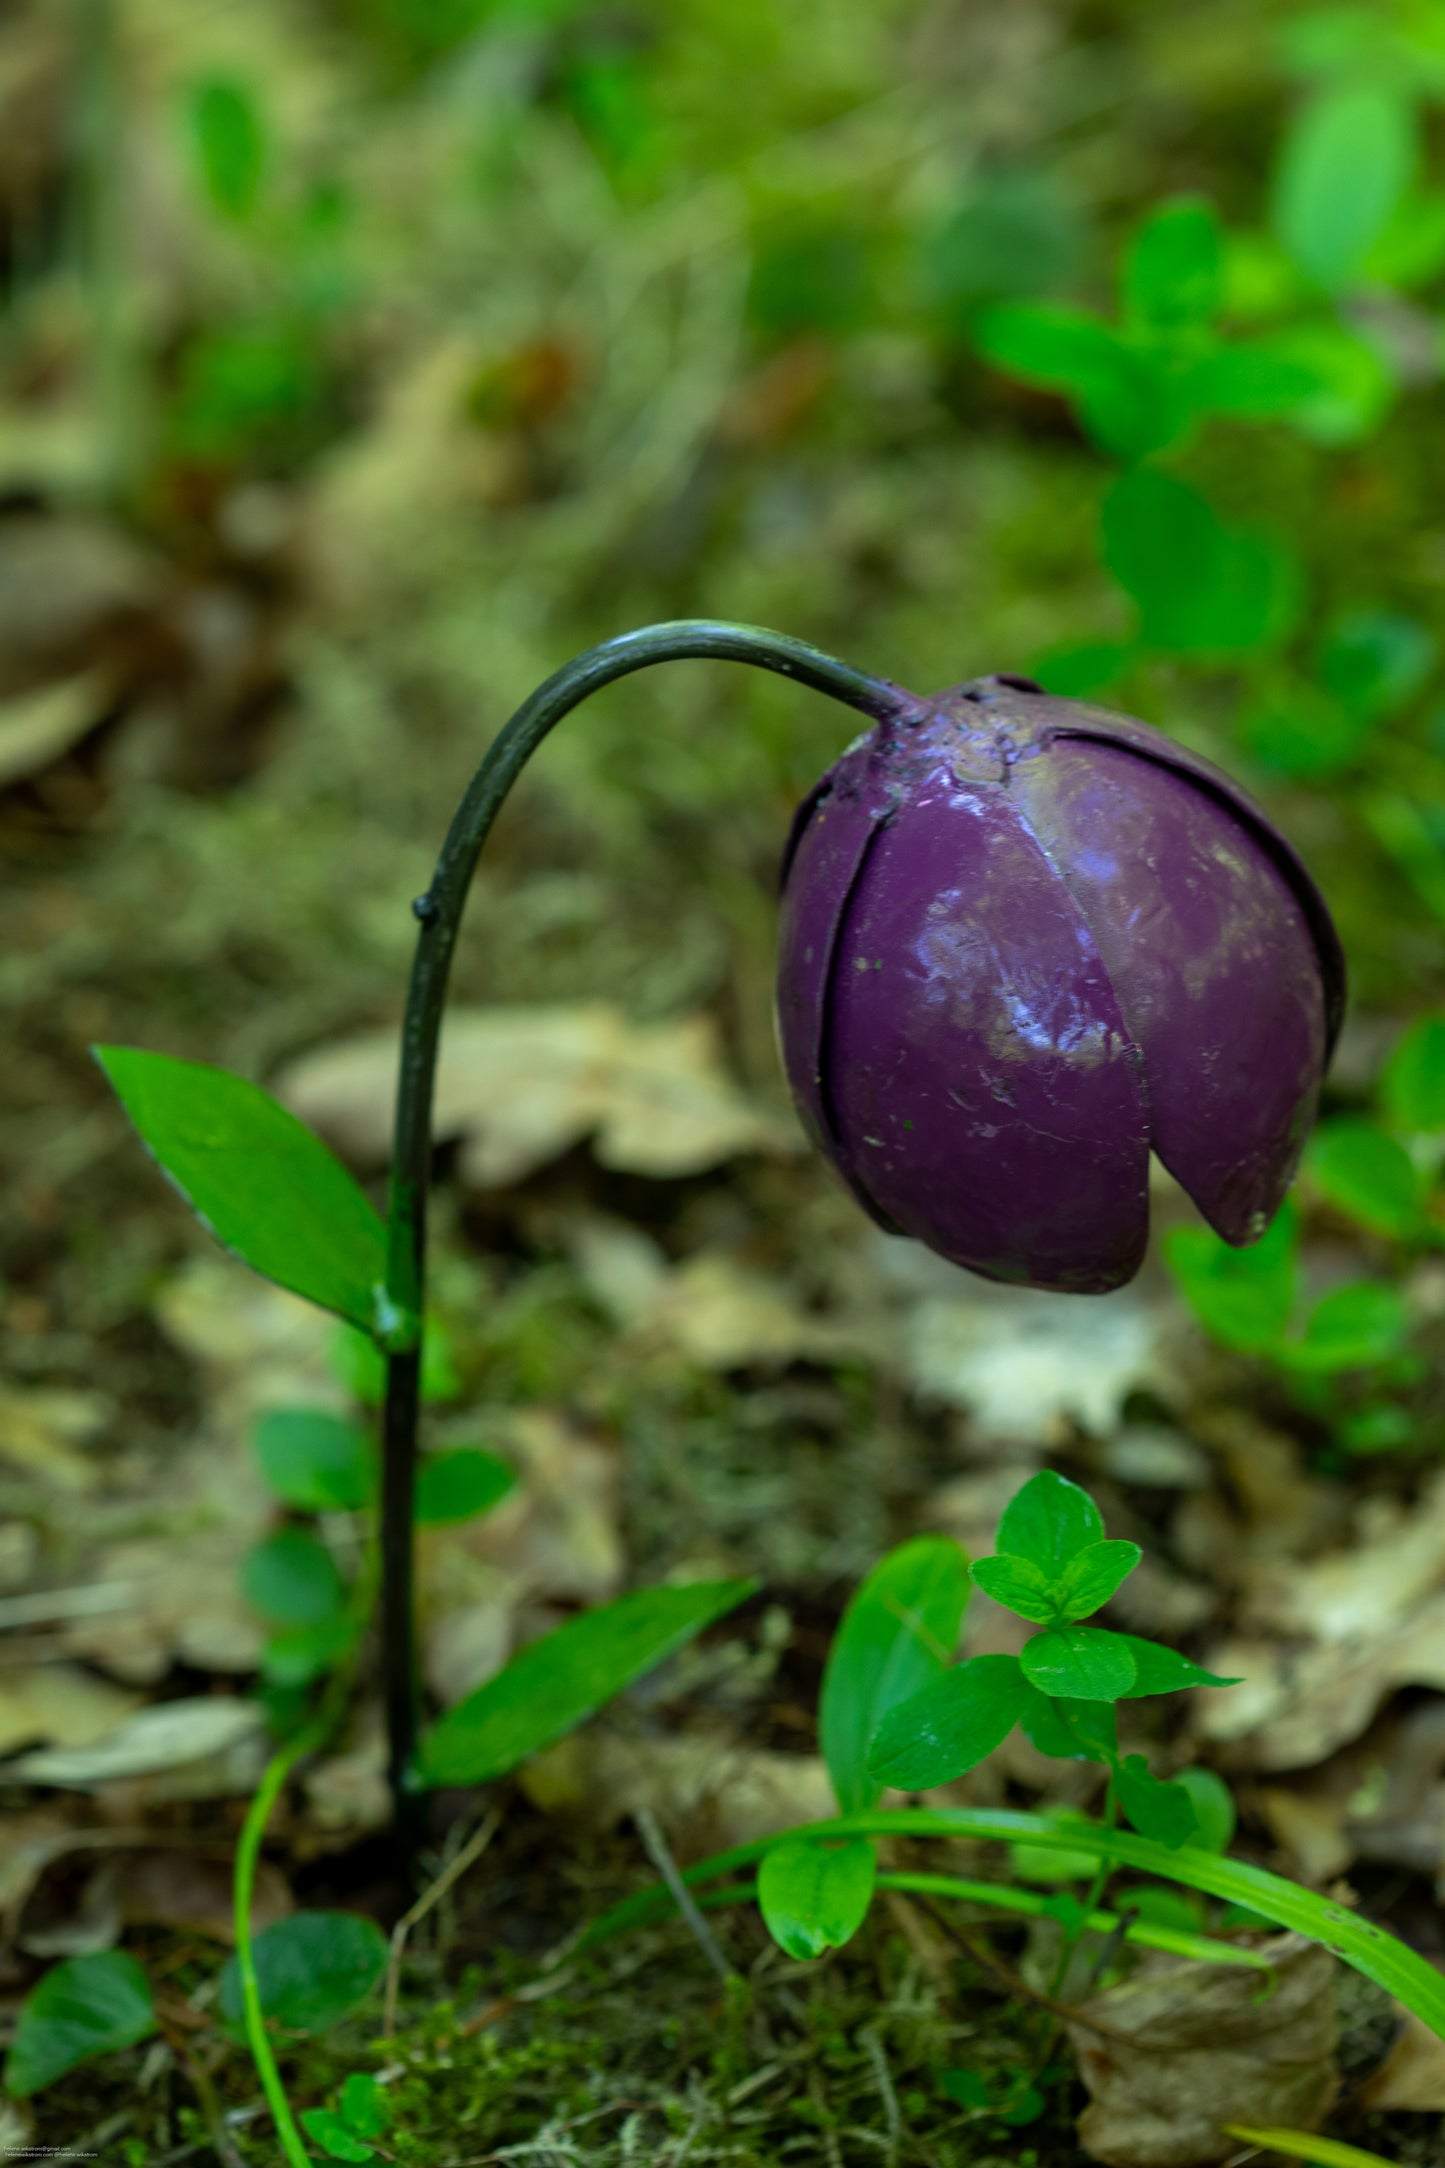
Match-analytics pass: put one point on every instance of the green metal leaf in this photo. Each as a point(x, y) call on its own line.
point(86, 2006)
point(950, 1726)
point(899, 1631)
point(815, 1897)
point(260, 1180)
point(558, 1682)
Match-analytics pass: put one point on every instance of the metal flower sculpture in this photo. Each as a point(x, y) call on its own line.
point(1025, 940)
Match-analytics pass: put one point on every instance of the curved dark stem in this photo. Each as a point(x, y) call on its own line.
point(440, 913)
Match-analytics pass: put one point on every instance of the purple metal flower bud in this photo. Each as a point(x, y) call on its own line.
point(1024, 940)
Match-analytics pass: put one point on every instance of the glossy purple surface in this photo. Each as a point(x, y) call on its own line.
point(1213, 963)
point(1023, 941)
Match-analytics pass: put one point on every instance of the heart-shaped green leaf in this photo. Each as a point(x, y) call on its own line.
point(86, 2006)
point(292, 1578)
point(1156, 1809)
point(1091, 1577)
point(1048, 1521)
point(311, 1969)
point(458, 1485)
point(815, 1897)
point(315, 1460)
point(1069, 1730)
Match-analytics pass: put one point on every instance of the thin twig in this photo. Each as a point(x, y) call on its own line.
point(656, 1848)
point(468, 1856)
point(873, 2048)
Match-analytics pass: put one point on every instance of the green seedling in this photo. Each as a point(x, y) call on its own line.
point(1348, 1352)
point(891, 1674)
point(361, 2113)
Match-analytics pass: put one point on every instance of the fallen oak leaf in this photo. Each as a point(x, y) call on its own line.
point(1199, 2035)
point(1412, 2076)
point(521, 1086)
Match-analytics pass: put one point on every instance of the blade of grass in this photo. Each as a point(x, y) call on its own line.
point(1371, 1950)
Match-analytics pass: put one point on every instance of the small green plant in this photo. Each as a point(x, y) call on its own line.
point(898, 1710)
point(361, 2113)
point(1347, 1354)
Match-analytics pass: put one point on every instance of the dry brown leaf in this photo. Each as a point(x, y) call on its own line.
point(36, 728)
point(558, 1533)
point(1204, 2042)
point(1155, 1456)
point(58, 1705)
point(206, 1747)
point(43, 1429)
point(176, 1594)
point(721, 1315)
point(467, 1645)
point(1412, 2076)
point(621, 1267)
point(28, 1844)
point(185, 1890)
point(1309, 1823)
point(707, 1794)
point(1396, 1560)
point(67, 583)
point(1296, 1706)
point(1269, 1506)
point(420, 463)
point(556, 1538)
point(520, 1086)
point(259, 1346)
point(1028, 1366)
point(347, 1794)
point(1381, 1798)
point(72, 1919)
